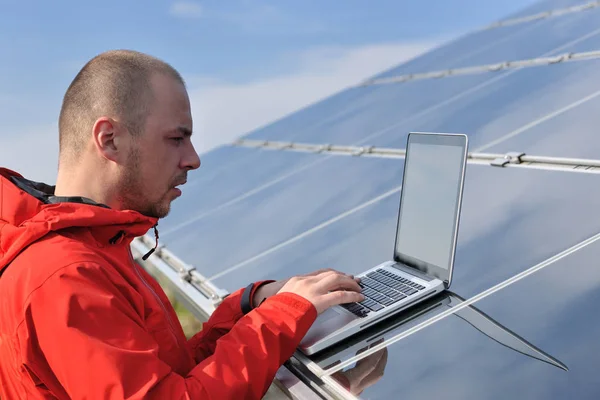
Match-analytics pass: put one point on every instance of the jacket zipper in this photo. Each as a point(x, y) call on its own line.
point(172, 328)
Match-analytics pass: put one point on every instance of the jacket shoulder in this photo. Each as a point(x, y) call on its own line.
point(51, 255)
point(54, 252)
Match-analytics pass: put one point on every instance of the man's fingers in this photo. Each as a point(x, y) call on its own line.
point(348, 284)
point(342, 297)
point(337, 282)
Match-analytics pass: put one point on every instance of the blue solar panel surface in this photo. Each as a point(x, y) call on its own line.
point(232, 235)
point(517, 101)
point(383, 114)
point(521, 218)
point(252, 214)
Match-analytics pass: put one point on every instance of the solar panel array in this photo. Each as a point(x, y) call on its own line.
point(251, 213)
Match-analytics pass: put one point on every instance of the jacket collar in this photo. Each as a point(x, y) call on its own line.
point(29, 210)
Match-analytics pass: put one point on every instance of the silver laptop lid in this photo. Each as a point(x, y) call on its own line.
point(430, 201)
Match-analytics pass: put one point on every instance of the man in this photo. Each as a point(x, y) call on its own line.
point(78, 317)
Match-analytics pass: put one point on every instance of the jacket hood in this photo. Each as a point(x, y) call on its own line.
point(29, 210)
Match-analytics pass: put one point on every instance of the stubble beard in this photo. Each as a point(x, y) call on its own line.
point(133, 192)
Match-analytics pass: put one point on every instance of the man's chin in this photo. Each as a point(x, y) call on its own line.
point(158, 211)
point(162, 212)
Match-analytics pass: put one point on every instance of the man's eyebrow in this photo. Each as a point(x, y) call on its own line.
point(184, 131)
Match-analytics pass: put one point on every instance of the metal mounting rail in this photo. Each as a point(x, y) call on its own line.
point(546, 14)
point(478, 69)
point(512, 159)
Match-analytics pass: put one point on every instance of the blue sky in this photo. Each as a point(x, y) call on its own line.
point(246, 62)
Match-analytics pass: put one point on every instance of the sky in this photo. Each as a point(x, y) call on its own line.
point(246, 63)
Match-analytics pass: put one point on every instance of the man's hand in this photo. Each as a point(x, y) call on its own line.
point(270, 289)
point(324, 288)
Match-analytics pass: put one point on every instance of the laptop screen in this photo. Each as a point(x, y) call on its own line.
point(430, 200)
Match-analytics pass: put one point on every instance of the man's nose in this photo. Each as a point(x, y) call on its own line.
point(191, 159)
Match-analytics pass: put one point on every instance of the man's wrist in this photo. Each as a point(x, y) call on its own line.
point(260, 293)
point(248, 301)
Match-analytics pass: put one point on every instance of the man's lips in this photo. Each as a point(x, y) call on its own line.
point(180, 183)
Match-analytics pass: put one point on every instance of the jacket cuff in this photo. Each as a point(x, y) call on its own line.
point(248, 295)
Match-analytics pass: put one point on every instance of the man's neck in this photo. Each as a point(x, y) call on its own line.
point(75, 182)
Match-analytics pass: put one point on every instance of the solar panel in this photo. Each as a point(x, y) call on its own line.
point(225, 238)
point(450, 359)
point(371, 109)
point(349, 243)
point(547, 6)
point(521, 41)
point(252, 214)
point(486, 39)
point(573, 133)
point(234, 173)
point(519, 220)
point(526, 356)
point(558, 311)
point(530, 40)
point(450, 103)
point(316, 114)
point(511, 106)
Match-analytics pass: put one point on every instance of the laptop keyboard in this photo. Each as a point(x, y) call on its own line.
point(381, 289)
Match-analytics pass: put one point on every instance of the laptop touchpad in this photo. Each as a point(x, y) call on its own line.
point(328, 322)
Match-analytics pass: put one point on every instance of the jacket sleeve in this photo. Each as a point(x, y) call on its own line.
point(94, 343)
point(220, 322)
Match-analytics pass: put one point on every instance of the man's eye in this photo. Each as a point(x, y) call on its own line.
point(178, 139)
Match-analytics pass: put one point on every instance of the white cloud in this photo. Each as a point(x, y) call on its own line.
point(32, 152)
point(186, 9)
point(224, 111)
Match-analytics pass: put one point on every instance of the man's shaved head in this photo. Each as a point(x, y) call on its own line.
point(115, 84)
point(125, 134)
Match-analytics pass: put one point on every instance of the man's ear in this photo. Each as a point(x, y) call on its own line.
point(108, 138)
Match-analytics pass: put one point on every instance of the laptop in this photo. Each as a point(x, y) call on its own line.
point(425, 243)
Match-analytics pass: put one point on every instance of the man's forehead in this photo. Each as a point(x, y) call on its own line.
point(170, 96)
point(167, 87)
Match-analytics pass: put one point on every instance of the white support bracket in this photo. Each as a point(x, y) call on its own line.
point(323, 148)
point(509, 158)
point(363, 150)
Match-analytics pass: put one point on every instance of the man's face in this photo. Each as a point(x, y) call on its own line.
point(161, 156)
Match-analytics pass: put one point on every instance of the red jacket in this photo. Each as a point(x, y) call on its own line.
point(80, 319)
